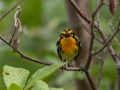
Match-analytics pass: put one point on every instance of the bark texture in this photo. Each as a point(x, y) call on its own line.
point(76, 24)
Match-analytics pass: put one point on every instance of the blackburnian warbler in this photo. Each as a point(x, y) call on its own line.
point(68, 47)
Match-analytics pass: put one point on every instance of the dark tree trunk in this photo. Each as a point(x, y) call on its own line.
point(75, 24)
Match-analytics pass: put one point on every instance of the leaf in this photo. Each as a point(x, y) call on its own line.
point(15, 75)
point(14, 86)
point(56, 89)
point(40, 85)
point(41, 74)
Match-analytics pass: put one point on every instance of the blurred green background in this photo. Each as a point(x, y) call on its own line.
point(42, 22)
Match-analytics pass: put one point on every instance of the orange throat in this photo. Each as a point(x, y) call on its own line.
point(68, 45)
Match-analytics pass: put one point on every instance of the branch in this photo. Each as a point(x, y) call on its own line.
point(18, 26)
point(92, 35)
point(91, 81)
point(111, 33)
point(39, 61)
point(109, 39)
point(98, 15)
point(84, 17)
point(23, 55)
point(117, 55)
point(10, 10)
point(103, 36)
point(99, 40)
point(101, 67)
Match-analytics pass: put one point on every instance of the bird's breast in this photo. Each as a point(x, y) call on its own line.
point(68, 45)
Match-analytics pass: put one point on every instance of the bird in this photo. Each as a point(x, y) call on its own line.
point(68, 47)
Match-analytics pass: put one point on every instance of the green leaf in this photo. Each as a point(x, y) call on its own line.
point(14, 86)
point(15, 75)
point(56, 89)
point(40, 85)
point(41, 74)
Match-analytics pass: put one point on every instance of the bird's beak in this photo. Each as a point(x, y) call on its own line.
point(67, 35)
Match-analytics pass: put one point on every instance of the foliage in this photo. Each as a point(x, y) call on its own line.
point(15, 78)
point(42, 26)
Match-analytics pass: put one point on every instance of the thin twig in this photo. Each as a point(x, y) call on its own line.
point(92, 35)
point(101, 67)
point(109, 39)
point(10, 10)
point(114, 37)
point(39, 61)
point(103, 36)
point(79, 11)
point(23, 55)
point(113, 29)
point(117, 55)
point(98, 57)
point(98, 15)
point(91, 81)
point(118, 76)
point(99, 40)
point(91, 44)
point(116, 40)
